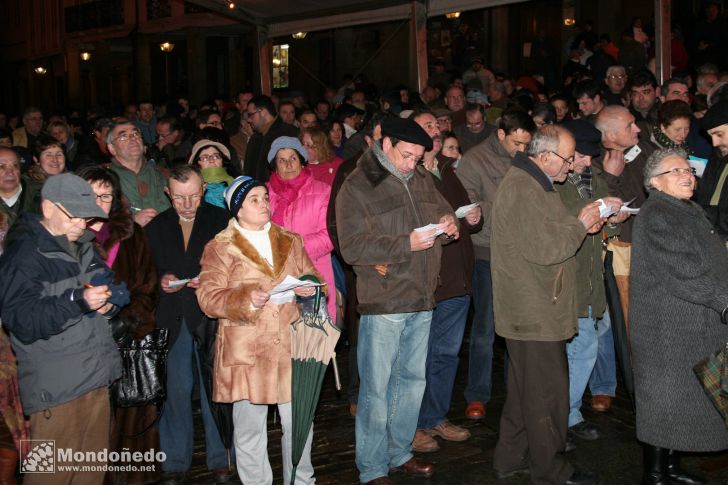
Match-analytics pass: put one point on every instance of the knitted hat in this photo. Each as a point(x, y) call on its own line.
point(237, 191)
point(286, 142)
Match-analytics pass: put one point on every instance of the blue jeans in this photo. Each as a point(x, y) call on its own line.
point(392, 351)
point(482, 334)
point(604, 377)
point(176, 430)
point(446, 336)
point(582, 354)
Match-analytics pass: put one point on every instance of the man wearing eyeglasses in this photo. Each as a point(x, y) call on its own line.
point(267, 126)
point(171, 146)
point(59, 325)
point(383, 211)
point(615, 81)
point(177, 237)
point(141, 182)
point(533, 246)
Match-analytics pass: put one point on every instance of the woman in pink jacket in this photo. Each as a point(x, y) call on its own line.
point(299, 203)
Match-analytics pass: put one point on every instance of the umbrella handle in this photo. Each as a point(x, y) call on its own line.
point(317, 294)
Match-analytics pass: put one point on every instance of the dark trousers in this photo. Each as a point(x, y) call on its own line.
point(535, 415)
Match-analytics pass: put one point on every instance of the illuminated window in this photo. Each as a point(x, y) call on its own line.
point(280, 66)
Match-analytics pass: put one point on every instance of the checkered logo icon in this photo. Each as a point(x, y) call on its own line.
point(37, 456)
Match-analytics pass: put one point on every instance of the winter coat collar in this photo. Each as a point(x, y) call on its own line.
point(281, 243)
point(522, 161)
point(375, 172)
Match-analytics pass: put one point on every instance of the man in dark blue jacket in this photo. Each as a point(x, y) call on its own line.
point(58, 324)
point(177, 237)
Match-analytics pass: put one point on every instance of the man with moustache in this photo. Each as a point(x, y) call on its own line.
point(378, 209)
point(712, 193)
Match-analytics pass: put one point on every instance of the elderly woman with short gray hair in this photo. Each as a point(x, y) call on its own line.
point(679, 292)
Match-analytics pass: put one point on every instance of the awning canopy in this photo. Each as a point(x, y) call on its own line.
point(284, 17)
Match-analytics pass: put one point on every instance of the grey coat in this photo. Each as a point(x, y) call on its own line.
point(679, 286)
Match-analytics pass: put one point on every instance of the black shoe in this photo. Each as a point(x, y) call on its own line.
point(584, 431)
point(570, 445)
point(678, 475)
point(582, 477)
point(503, 474)
point(655, 463)
point(172, 478)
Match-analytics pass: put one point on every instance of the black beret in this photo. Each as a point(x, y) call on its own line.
point(406, 130)
point(717, 115)
point(587, 137)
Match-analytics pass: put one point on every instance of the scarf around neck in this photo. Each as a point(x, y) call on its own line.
point(287, 192)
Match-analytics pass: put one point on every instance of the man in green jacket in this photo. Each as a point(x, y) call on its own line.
point(141, 183)
point(583, 187)
point(533, 247)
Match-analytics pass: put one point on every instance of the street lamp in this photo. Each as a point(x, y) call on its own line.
point(40, 70)
point(85, 56)
point(167, 48)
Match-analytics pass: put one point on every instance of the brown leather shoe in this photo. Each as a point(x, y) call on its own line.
point(352, 409)
point(601, 403)
point(380, 481)
point(475, 410)
point(424, 443)
point(416, 467)
point(449, 432)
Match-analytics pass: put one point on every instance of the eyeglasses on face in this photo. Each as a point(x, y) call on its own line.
point(253, 113)
point(569, 160)
point(409, 156)
point(129, 135)
point(73, 219)
point(679, 171)
point(105, 197)
point(181, 199)
point(210, 158)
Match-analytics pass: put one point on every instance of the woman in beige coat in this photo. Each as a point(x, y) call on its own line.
point(253, 348)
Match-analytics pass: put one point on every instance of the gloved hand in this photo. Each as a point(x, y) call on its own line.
point(119, 291)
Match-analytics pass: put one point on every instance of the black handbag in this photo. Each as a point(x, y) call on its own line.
point(143, 370)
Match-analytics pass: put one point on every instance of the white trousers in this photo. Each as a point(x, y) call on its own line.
point(251, 445)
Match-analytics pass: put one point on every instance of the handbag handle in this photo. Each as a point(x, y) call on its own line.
point(317, 294)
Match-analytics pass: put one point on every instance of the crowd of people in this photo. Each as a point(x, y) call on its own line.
point(577, 221)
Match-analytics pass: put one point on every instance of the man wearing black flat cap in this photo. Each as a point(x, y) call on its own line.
point(382, 213)
point(712, 193)
point(582, 187)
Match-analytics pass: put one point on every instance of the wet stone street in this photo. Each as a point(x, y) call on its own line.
point(615, 456)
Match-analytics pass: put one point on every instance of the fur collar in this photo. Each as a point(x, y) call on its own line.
point(375, 171)
point(281, 243)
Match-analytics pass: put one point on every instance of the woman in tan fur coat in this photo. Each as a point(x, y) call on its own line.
point(253, 349)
